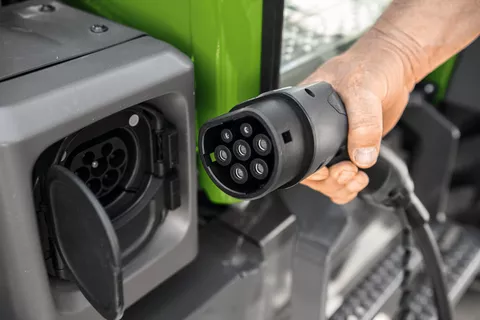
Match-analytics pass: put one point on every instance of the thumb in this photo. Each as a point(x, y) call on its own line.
point(365, 127)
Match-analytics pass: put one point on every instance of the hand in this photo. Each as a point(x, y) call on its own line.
point(373, 84)
point(341, 182)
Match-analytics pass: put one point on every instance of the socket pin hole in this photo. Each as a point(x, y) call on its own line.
point(101, 167)
point(110, 178)
point(310, 93)
point(83, 173)
point(287, 137)
point(88, 158)
point(117, 158)
point(94, 185)
point(107, 148)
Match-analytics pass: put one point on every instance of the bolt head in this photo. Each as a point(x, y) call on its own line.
point(99, 28)
point(429, 88)
point(133, 120)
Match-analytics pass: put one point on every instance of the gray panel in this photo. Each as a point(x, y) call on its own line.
point(272, 227)
point(325, 234)
point(224, 282)
point(463, 87)
point(35, 113)
point(32, 38)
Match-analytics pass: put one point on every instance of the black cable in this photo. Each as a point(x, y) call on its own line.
point(426, 242)
point(403, 311)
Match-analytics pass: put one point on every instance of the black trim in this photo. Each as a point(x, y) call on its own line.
point(272, 31)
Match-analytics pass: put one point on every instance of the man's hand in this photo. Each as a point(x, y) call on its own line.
point(375, 76)
point(375, 90)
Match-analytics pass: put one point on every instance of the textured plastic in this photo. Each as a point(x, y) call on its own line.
point(307, 126)
point(83, 228)
point(80, 92)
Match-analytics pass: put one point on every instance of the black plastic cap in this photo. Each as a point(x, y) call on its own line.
point(87, 242)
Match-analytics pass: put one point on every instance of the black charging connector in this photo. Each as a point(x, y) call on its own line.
point(274, 140)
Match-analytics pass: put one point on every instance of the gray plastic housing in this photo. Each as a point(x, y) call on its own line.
point(47, 99)
point(243, 271)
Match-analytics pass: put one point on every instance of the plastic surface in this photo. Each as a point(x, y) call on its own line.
point(61, 43)
point(223, 39)
point(78, 93)
point(462, 90)
point(87, 241)
point(124, 160)
point(431, 164)
point(243, 271)
point(302, 129)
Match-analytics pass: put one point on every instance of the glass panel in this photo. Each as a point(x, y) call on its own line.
point(316, 30)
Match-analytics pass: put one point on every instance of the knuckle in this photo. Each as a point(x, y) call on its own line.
point(345, 166)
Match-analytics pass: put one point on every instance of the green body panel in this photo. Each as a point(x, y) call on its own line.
point(223, 39)
point(441, 78)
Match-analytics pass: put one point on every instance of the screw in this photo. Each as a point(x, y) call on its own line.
point(133, 121)
point(47, 8)
point(99, 28)
point(95, 164)
point(429, 88)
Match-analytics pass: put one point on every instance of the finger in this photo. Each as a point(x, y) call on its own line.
point(365, 124)
point(320, 175)
point(328, 186)
point(343, 172)
point(342, 194)
point(344, 200)
point(358, 183)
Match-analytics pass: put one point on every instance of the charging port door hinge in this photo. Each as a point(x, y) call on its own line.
point(166, 161)
point(166, 150)
point(172, 191)
point(86, 241)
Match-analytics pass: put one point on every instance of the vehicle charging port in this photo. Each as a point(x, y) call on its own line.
point(128, 163)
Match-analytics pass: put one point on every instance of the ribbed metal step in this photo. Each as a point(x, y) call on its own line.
point(461, 254)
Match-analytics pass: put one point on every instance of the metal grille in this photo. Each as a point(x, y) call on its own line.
point(314, 28)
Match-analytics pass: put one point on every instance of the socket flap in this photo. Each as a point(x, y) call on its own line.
point(87, 241)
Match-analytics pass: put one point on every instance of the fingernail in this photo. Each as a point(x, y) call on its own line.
point(345, 176)
point(365, 156)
